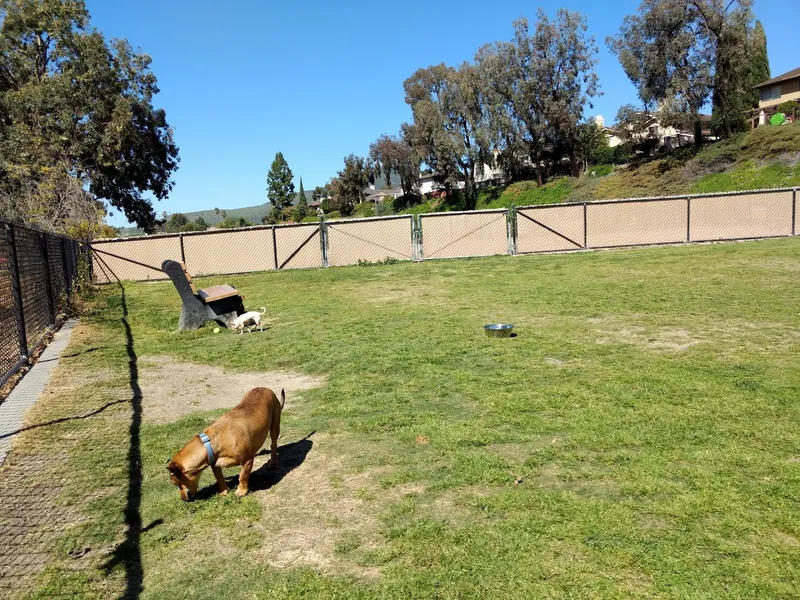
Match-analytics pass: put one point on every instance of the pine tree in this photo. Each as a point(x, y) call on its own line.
point(758, 63)
point(280, 189)
point(301, 210)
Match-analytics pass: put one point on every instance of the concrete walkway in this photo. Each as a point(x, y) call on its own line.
point(27, 391)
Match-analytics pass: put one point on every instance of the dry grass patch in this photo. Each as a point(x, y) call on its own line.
point(173, 389)
point(668, 339)
point(318, 513)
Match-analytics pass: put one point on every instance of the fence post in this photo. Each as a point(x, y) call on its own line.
point(275, 247)
point(413, 239)
point(87, 249)
point(323, 240)
point(794, 211)
point(420, 239)
point(183, 250)
point(67, 278)
point(585, 227)
point(48, 282)
point(688, 219)
point(511, 230)
point(16, 291)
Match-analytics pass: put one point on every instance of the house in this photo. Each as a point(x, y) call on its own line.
point(779, 89)
point(427, 184)
point(381, 195)
point(773, 93)
point(668, 138)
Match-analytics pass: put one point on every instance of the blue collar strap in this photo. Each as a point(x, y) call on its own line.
point(209, 450)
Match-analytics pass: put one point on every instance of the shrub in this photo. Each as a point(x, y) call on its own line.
point(389, 260)
point(383, 209)
point(404, 202)
point(233, 222)
point(334, 214)
point(603, 155)
point(622, 154)
point(365, 209)
point(601, 170)
point(788, 107)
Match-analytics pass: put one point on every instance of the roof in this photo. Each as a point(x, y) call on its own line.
point(793, 74)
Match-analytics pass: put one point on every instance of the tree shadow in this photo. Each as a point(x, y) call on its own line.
point(64, 419)
point(290, 456)
point(81, 353)
point(128, 553)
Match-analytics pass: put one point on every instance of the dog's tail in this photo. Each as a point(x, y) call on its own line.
point(263, 310)
point(283, 398)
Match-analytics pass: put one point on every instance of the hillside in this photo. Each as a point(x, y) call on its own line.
point(766, 157)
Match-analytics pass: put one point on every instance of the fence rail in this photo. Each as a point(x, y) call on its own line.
point(518, 230)
point(37, 273)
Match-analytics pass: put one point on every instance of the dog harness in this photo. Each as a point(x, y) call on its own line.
point(209, 449)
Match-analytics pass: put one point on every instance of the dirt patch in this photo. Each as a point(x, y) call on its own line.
point(334, 522)
point(674, 340)
point(173, 389)
point(787, 539)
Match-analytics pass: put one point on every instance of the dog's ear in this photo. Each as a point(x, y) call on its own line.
point(173, 468)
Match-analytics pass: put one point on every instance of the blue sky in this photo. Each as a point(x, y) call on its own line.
point(243, 80)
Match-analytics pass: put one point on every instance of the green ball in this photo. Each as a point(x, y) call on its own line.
point(216, 329)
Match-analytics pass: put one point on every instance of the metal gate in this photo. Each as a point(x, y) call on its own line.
point(463, 234)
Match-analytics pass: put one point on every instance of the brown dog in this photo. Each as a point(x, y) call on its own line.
point(233, 439)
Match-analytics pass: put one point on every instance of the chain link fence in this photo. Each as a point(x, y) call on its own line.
point(37, 272)
point(369, 240)
point(522, 230)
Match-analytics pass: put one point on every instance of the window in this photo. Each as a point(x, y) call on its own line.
point(771, 93)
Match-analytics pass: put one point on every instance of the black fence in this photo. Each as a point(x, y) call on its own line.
point(37, 273)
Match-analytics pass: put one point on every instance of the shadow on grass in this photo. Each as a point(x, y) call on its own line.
point(81, 353)
point(64, 419)
point(128, 554)
point(290, 456)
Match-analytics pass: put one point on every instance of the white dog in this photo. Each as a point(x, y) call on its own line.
point(240, 322)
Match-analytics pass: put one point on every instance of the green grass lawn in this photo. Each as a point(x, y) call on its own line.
point(639, 438)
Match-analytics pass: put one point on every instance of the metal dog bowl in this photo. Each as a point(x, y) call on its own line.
point(498, 330)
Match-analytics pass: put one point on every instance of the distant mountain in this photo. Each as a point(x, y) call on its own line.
point(251, 213)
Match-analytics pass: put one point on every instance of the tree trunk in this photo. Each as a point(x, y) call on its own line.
point(698, 134)
point(539, 175)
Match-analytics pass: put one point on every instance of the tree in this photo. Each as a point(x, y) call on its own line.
point(633, 124)
point(301, 210)
point(757, 63)
point(347, 188)
point(280, 189)
point(590, 138)
point(681, 53)
point(393, 154)
point(74, 104)
point(233, 222)
point(201, 223)
point(538, 86)
point(54, 202)
point(323, 194)
point(450, 127)
point(175, 222)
